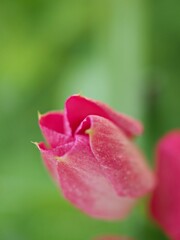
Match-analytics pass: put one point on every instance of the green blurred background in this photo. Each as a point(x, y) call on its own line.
point(123, 52)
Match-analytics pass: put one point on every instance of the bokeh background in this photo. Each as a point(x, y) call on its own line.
point(123, 52)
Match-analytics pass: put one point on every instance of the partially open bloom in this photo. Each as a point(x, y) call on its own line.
point(92, 157)
point(165, 203)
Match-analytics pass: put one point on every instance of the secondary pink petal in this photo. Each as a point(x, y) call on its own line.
point(52, 127)
point(53, 121)
point(77, 108)
point(165, 203)
point(120, 160)
point(83, 184)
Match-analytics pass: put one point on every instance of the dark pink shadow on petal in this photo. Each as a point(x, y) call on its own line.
point(77, 108)
point(53, 121)
point(52, 127)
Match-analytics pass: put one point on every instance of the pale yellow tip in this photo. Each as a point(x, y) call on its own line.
point(80, 94)
point(35, 143)
point(60, 159)
point(89, 131)
point(39, 115)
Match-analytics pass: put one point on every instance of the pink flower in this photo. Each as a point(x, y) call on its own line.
point(165, 203)
point(92, 157)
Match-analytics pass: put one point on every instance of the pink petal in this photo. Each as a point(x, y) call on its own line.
point(53, 121)
point(83, 184)
point(52, 127)
point(120, 160)
point(165, 203)
point(49, 156)
point(78, 108)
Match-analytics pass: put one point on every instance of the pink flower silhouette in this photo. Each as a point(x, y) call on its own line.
point(93, 158)
point(165, 203)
